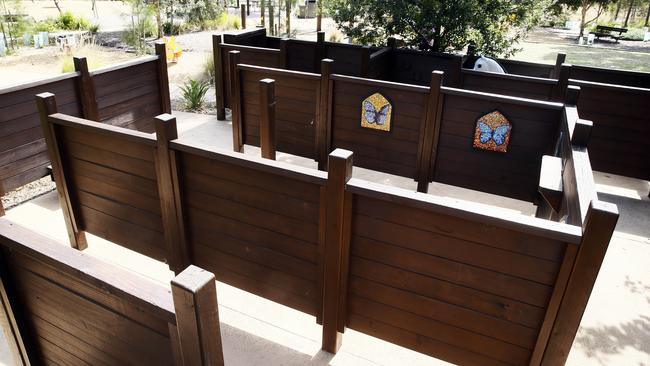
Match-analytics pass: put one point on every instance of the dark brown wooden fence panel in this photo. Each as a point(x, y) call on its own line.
point(114, 183)
point(621, 134)
point(78, 310)
point(527, 68)
point(23, 153)
point(415, 67)
point(129, 97)
point(255, 225)
point(514, 85)
point(515, 174)
point(608, 76)
point(248, 55)
point(451, 285)
point(394, 152)
point(296, 109)
point(348, 59)
point(302, 56)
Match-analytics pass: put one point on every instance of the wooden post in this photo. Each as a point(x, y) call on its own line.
point(176, 252)
point(365, 62)
point(86, 89)
point(429, 132)
point(267, 118)
point(219, 80)
point(163, 78)
point(455, 79)
point(555, 73)
point(323, 120)
point(12, 319)
point(392, 42)
point(284, 57)
point(235, 108)
point(243, 16)
point(248, 7)
point(47, 106)
point(2, 209)
point(319, 50)
point(597, 231)
point(572, 95)
point(562, 88)
point(337, 248)
point(197, 317)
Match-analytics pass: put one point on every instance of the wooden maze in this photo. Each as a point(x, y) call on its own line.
point(456, 280)
point(620, 133)
point(127, 95)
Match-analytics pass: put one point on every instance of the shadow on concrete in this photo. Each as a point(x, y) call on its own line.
point(634, 214)
point(598, 342)
point(243, 348)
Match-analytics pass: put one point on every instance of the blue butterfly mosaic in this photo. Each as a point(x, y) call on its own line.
point(492, 132)
point(376, 112)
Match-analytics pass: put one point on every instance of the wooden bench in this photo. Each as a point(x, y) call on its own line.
point(605, 31)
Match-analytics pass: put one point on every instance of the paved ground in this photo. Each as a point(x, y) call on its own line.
point(615, 329)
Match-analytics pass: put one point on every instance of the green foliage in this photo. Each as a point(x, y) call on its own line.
point(438, 25)
point(633, 34)
point(173, 29)
point(208, 69)
point(142, 26)
point(200, 13)
point(68, 21)
point(47, 25)
point(193, 92)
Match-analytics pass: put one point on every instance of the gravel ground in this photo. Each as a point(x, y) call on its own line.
point(28, 192)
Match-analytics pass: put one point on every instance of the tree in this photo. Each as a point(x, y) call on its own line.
point(584, 6)
point(493, 25)
point(629, 11)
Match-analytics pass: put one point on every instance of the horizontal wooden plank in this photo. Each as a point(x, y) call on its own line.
point(294, 292)
point(252, 196)
point(419, 343)
point(464, 225)
point(464, 297)
point(432, 329)
point(269, 218)
point(110, 159)
point(200, 222)
point(487, 281)
point(98, 187)
point(461, 251)
point(271, 176)
point(444, 312)
point(121, 211)
point(119, 179)
point(131, 236)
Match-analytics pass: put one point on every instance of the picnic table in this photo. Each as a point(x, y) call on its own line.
point(610, 32)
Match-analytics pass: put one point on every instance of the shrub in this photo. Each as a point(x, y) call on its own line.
point(68, 21)
point(633, 34)
point(193, 93)
point(208, 69)
point(173, 29)
point(336, 36)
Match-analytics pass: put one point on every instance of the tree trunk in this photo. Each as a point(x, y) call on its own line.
point(629, 10)
point(287, 9)
point(56, 3)
point(319, 17)
point(262, 9)
point(618, 10)
point(647, 16)
point(159, 20)
point(583, 16)
point(271, 15)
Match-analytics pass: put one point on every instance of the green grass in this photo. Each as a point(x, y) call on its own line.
point(586, 56)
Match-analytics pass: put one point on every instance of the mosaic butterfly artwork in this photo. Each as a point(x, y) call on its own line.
point(492, 132)
point(376, 112)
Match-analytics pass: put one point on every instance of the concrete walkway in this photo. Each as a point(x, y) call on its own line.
point(615, 329)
